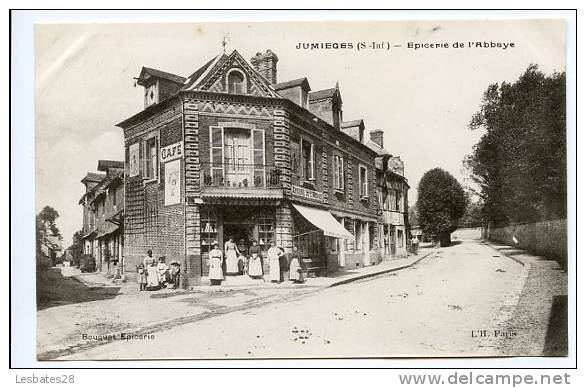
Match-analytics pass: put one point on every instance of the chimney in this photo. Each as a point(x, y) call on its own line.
point(266, 65)
point(377, 137)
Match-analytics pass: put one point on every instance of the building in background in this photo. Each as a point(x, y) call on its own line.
point(103, 214)
point(229, 152)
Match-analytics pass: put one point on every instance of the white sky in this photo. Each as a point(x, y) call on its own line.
point(422, 99)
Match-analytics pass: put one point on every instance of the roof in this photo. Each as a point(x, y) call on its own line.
point(199, 72)
point(159, 74)
point(376, 148)
point(93, 177)
point(105, 165)
point(320, 94)
point(290, 84)
point(353, 123)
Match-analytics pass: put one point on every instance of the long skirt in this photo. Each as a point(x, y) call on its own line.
point(152, 277)
point(216, 269)
point(255, 266)
point(295, 272)
point(231, 262)
point(274, 269)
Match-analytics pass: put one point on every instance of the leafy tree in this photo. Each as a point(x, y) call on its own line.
point(48, 216)
point(520, 161)
point(440, 204)
point(76, 248)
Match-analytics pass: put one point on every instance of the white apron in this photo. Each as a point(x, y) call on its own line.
point(255, 265)
point(216, 272)
point(295, 270)
point(231, 259)
point(274, 265)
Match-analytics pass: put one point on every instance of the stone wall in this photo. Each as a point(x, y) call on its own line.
point(545, 238)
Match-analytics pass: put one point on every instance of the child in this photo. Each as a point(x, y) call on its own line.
point(162, 270)
point(175, 273)
point(142, 277)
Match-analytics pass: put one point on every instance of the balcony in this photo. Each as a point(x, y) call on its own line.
point(241, 181)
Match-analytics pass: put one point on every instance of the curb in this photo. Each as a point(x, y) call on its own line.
point(490, 244)
point(382, 272)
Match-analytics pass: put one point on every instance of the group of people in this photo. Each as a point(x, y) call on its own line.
point(252, 262)
point(155, 274)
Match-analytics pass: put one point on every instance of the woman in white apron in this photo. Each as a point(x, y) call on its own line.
point(295, 274)
point(150, 265)
point(255, 261)
point(216, 274)
point(274, 254)
point(232, 254)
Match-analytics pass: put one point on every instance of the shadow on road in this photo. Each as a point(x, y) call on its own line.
point(54, 289)
point(556, 339)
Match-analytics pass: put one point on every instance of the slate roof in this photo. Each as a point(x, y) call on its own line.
point(162, 74)
point(376, 148)
point(320, 94)
point(292, 83)
point(93, 177)
point(199, 72)
point(105, 165)
point(353, 123)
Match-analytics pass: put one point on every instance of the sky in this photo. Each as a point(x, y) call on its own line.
point(422, 99)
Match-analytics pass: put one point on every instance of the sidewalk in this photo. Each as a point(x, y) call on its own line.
point(330, 280)
point(538, 311)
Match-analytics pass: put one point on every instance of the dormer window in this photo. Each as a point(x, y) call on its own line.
point(236, 82)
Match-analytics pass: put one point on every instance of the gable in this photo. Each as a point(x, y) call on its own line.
point(215, 80)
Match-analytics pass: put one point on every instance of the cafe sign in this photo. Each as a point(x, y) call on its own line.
point(172, 152)
point(299, 191)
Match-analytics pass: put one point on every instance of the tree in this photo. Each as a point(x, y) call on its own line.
point(520, 161)
point(48, 216)
point(76, 248)
point(440, 204)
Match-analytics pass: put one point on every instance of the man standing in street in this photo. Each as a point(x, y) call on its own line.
point(414, 244)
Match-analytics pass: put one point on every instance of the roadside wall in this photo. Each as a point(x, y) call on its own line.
point(546, 238)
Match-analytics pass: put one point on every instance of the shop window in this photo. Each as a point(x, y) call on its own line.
point(236, 82)
point(363, 181)
point(209, 229)
point(338, 172)
point(150, 159)
point(266, 230)
point(333, 244)
point(308, 158)
point(399, 238)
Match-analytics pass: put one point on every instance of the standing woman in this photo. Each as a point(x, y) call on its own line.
point(150, 265)
point(274, 254)
point(255, 261)
point(216, 274)
point(232, 254)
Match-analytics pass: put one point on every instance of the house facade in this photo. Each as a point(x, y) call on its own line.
point(103, 214)
point(229, 152)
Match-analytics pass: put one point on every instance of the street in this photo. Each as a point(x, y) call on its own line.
point(448, 304)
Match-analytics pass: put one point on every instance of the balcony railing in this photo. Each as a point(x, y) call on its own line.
point(240, 176)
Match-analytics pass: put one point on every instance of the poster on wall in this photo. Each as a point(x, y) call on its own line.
point(134, 158)
point(172, 182)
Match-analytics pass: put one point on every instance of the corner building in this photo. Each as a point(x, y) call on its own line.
point(230, 152)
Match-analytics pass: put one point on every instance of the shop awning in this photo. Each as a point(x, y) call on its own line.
point(323, 220)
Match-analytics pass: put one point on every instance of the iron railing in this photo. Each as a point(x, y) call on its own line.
point(240, 176)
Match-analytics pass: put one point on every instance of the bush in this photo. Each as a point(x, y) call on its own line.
point(87, 263)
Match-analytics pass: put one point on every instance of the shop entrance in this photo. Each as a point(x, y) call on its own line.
point(242, 233)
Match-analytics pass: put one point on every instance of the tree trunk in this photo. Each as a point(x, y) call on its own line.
point(445, 239)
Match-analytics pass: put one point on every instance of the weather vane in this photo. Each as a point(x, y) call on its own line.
point(225, 40)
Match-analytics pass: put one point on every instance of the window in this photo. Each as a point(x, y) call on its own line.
point(338, 172)
point(217, 155)
point(150, 159)
point(235, 82)
point(399, 238)
point(399, 199)
point(358, 235)
point(363, 181)
point(114, 197)
point(307, 154)
point(349, 242)
point(392, 200)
